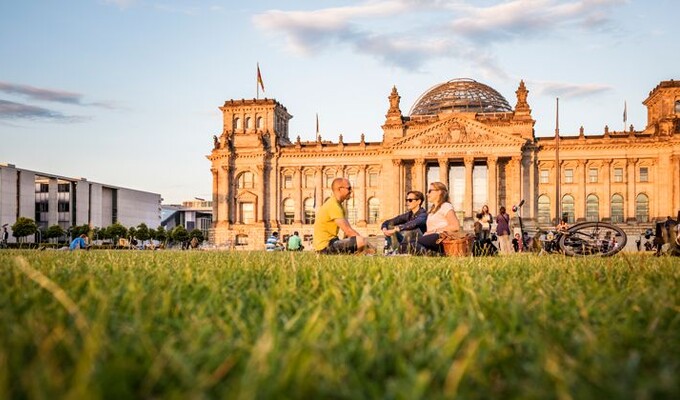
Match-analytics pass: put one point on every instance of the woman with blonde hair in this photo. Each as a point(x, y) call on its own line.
point(440, 218)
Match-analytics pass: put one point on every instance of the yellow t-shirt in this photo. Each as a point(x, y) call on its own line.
point(325, 227)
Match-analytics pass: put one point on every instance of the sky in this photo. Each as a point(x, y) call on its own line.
point(126, 92)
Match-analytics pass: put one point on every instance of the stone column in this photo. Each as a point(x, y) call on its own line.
point(444, 172)
point(217, 196)
point(274, 191)
point(360, 192)
point(630, 188)
point(419, 174)
point(581, 179)
point(260, 204)
point(318, 176)
point(515, 186)
point(604, 209)
point(675, 185)
point(52, 202)
point(528, 190)
point(467, 200)
point(395, 199)
point(492, 162)
point(297, 185)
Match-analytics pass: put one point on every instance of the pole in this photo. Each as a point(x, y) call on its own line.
point(257, 82)
point(558, 172)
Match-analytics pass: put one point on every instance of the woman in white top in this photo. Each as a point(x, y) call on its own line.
point(485, 219)
point(440, 218)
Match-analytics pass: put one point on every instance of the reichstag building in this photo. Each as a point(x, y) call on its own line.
point(461, 132)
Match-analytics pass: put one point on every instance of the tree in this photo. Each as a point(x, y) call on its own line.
point(161, 235)
point(24, 227)
point(116, 231)
point(142, 232)
point(180, 234)
point(78, 230)
point(55, 231)
point(198, 234)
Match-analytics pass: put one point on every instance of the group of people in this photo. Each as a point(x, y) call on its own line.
point(294, 243)
point(417, 231)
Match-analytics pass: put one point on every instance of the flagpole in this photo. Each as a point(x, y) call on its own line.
point(257, 82)
point(557, 160)
point(625, 115)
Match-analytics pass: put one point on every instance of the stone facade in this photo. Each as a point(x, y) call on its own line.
point(486, 154)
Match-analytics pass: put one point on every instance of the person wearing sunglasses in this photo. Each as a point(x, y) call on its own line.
point(402, 231)
point(440, 218)
point(331, 217)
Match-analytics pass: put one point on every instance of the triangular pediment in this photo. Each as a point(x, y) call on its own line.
point(246, 195)
point(456, 131)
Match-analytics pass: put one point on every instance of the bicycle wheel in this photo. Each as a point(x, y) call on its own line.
point(593, 239)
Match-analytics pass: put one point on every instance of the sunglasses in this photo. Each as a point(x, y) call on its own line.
point(349, 188)
point(432, 190)
point(410, 200)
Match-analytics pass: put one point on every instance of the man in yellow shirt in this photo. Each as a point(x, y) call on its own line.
point(330, 218)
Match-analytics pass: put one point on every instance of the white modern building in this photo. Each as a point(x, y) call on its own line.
point(51, 199)
point(192, 214)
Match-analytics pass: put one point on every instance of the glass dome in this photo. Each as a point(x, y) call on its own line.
point(460, 95)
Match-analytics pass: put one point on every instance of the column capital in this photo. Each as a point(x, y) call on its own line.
point(397, 162)
point(492, 159)
point(362, 167)
point(419, 162)
point(443, 161)
point(468, 160)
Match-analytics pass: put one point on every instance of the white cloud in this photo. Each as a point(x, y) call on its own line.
point(564, 89)
point(409, 33)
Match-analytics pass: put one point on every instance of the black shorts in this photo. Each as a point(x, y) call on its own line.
point(344, 246)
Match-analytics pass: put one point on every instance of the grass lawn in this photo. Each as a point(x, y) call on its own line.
point(169, 324)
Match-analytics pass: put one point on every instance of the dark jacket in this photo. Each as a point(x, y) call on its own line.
point(408, 221)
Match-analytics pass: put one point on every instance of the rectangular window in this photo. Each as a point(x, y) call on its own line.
point(644, 174)
point(329, 180)
point(63, 187)
point(288, 181)
point(247, 211)
point(372, 179)
point(309, 180)
point(592, 175)
point(352, 178)
point(62, 207)
point(545, 176)
point(618, 174)
point(568, 176)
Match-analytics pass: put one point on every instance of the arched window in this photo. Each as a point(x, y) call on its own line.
point(642, 208)
point(617, 209)
point(544, 210)
point(352, 211)
point(373, 210)
point(246, 180)
point(288, 211)
point(592, 208)
point(677, 106)
point(237, 123)
point(568, 208)
point(309, 210)
point(248, 123)
point(259, 124)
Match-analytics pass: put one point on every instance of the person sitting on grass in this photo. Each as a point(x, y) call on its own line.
point(273, 243)
point(295, 243)
point(330, 218)
point(79, 243)
point(405, 229)
point(440, 218)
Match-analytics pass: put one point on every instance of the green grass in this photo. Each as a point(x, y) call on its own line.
point(168, 324)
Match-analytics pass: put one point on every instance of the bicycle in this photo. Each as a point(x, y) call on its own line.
point(589, 238)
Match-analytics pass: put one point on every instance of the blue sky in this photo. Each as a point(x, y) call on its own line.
point(126, 92)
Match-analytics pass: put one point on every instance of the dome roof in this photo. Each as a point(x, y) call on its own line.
point(460, 95)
